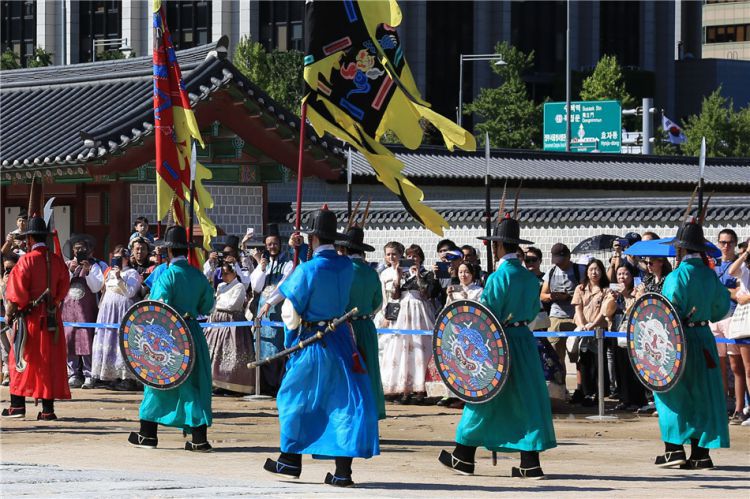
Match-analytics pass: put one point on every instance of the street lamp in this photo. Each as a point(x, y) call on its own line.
point(472, 58)
point(120, 43)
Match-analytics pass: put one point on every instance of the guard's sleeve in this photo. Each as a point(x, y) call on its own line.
point(720, 305)
point(675, 285)
point(206, 302)
point(19, 284)
point(296, 289)
point(493, 296)
point(291, 318)
point(377, 294)
point(159, 291)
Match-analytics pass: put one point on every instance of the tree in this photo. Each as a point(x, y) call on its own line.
point(725, 129)
point(607, 83)
point(508, 115)
point(40, 58)
point(10, 60)
point(278, 73)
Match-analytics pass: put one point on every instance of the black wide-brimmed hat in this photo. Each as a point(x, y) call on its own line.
point(690, 237)
point(36, 227)
point(220, 243)
point(325, 225)
point(77, 238)
point(272, 230)
point(175, 237)
point(507, 231)
point(23, 214)
point(355, 241)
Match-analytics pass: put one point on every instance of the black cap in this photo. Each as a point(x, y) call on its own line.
point(690, 237)
point(23, 213)
point(36, 227)
point(272, 230)
point(559, 249)
point(324, 225)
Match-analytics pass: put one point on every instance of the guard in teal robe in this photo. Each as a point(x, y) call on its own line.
point(367, 296)
point(519, 418)
point(325, 402)
point(188, 406)
point(694, 410)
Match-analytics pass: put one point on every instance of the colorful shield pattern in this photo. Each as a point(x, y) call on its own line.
point(156, 344)
point(656, 342)
point(471, 351)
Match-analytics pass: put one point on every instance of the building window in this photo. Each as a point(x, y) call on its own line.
point(727, 34)
point(281, 25)
point(189, 23)
point(18, 28)
point(98, 21)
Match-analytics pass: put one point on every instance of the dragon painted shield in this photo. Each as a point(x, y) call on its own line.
point(470, 350)
point(656, 342)
point(157, 344)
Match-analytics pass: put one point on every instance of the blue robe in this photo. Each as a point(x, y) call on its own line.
point(187, 290)
point(696, 406)
point(519, 418)
point(325, 408)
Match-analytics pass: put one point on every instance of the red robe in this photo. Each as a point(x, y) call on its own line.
point(46, 375)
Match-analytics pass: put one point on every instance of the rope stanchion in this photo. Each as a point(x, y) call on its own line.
point(414, 332)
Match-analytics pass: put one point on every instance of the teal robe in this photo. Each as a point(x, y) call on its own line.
point(367, 296)
point(187, 406)
point(696, 406)
point(519, 418)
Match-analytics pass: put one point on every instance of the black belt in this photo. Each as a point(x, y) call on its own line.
point(313, 324)
point(363, 317)
point(516, 324)
point(697, 324)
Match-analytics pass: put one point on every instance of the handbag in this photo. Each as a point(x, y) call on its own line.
point(739, 325)
point(392, 310)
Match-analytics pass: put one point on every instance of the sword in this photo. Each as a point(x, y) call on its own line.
point(19, 340)
point(313, 339)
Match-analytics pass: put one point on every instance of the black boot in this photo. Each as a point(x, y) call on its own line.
point(17, 407)
point(48, 411)
point(699, 458)
point(461, 460)
point(146, 437)
point(674, 455)
point(343, 475)
point(530, 467)
point(288, 464)
point(200, 440)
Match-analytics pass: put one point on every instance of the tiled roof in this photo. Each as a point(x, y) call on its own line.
point(69, 115)
point(550, 211)
point(441, 166)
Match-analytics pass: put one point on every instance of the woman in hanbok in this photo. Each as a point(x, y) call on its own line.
point(230, 347)
point(121, 285)
point(404, 359)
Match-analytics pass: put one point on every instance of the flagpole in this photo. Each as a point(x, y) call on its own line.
point(300, 158)
point(191, 215)
point(487, 210)
point(349, 183)
point(702, 164)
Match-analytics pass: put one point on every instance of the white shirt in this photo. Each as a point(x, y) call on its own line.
point(95, 277)
point(230, 296)
point(129, 283)
point(258, 278)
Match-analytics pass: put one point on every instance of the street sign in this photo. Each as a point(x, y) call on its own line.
point(595, 126)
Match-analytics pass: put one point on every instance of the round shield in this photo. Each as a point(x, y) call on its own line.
point(656, 342)
point(156, 344)
point(471, 351)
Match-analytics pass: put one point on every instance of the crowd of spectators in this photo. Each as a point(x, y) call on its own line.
point(576, 293)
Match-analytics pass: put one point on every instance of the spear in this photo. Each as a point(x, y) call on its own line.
point(487, 206)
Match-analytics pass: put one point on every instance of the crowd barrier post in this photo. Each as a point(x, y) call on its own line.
point(600, 366)
point(257, 395)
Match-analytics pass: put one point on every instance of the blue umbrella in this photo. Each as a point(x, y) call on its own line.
point(657, 247)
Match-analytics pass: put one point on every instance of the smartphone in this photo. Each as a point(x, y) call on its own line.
point(116, 262)
point(266, 255)
point(442, 272)
point(615, 287)
point(406, 263)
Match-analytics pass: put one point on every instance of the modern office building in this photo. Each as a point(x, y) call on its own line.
point(726, 29)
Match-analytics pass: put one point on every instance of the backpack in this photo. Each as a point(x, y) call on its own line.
point(576, 274)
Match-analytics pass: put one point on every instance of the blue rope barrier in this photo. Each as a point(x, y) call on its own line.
point(413, 332)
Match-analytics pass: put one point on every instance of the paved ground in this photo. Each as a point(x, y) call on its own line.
point(85, 454)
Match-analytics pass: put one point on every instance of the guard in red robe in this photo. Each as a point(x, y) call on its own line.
point(45, 376)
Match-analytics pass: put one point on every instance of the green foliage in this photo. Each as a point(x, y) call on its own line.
point(9, 60)
point(278, 73)
point(607, 83)
point(40, 58)
point(725, 129)
point(662, 145)
point(110, 55)
point(508, 115)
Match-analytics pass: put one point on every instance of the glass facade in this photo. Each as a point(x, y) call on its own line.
point(281, 25)
point(98, 21)
point(730, 33)
point(189, 22)
point(18, 28)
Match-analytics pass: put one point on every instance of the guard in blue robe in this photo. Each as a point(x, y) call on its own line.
point(187, 406)
point(326, 407)
point(694, 410)
point(519, 418)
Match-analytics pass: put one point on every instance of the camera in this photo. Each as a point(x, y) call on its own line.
point(116, 262)
point(442, 272)
point(81, 256)
point(219, 258)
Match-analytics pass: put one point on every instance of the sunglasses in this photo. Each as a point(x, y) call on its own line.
point(530, 259)
point(726, 243)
